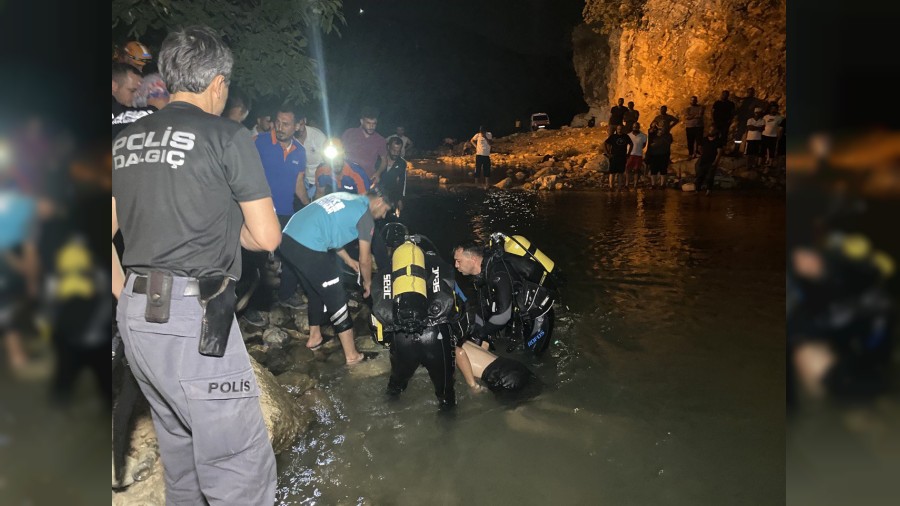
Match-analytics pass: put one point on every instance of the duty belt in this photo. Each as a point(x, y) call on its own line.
point(192, 289)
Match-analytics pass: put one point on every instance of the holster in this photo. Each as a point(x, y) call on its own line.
point(218, 299)
point(159, 297)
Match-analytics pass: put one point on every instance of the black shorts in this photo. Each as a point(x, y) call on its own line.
point(659, 164)
point(482, 165)
point(321, 279)
point(754, 148)
point(617, 165)
point(768, 145)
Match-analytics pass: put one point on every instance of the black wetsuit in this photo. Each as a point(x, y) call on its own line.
point(510, 294)
point(431, 347)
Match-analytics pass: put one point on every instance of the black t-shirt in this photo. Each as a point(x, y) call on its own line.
point(123, 116)
point(709, 148)
point(178, 176)
point(617, 114)
point(393, 180)
point(619, 145)
point(659, 144)
point(723, 110)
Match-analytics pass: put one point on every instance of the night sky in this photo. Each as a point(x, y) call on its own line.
point(444, 68)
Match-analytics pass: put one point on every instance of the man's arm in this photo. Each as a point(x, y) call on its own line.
point(365, 265)
point(675, 121)
point(261, 230)
point(118, 275)
point(381, 164)
point(343, 255)
point(300, 188)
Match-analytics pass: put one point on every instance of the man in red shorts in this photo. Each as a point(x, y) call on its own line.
point(635, 162)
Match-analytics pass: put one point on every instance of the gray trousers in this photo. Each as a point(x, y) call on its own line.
point(212, 438)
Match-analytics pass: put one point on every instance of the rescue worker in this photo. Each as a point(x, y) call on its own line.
point(516, 287)
point(188, 192)
point(416, 312)
point(312, 238)
point(135, 54)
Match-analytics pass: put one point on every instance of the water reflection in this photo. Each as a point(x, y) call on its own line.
point(664, 384)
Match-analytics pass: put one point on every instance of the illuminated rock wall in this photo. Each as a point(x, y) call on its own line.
point(679, 48)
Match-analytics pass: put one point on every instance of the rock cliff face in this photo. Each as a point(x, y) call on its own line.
point(660, 52)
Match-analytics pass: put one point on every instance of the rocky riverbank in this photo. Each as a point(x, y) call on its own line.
point(571, 158)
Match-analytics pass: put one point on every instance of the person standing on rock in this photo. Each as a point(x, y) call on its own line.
point(659, 152)
point(313, 240)
point(617, 115)
point(631, 116)
point(635, 162)
point(664, 120)
point(723, 113)
point(771, 134)
point(482, 142)
point(711, 148)
point(187, 200)
point(753, 138)
point(617, 147)
point(693, 125)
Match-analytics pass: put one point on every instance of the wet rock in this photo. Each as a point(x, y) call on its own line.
point(558, 186)
point(503, 185)
point(277, 360)
point(301, 322)
point(258, 352)
point(688, 187)
point(520, 176)
point(275, 336)
point(295, 382)
point(317, 401)
point(749, 175)
point(279, 315)
point(725, 182)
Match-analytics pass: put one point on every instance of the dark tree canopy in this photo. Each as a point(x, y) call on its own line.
point(269, 38)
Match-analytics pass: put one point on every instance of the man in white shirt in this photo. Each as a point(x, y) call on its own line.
point(407, 142)
point(313, 140)
point(753, 138)
point(635, 161)
point(482, 142)
point(771, 133)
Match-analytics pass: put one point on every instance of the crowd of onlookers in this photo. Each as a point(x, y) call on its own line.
point(751, 127)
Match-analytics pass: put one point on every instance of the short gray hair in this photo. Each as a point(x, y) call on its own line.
point(191, 57)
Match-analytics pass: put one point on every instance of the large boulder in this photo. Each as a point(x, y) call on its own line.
point(285, 422)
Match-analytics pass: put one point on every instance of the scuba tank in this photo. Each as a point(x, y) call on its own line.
point(382, 317)
point(409, 293)
point(521, 247)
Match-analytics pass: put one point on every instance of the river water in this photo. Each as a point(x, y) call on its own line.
point(664, 384)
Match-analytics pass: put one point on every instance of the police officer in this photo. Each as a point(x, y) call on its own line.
point(314, 238)
point(508, 295)
point(188, 192)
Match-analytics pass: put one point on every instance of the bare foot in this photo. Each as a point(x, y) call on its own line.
point(361, 357)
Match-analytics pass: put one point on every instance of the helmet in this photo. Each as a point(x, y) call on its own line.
point(136, 54)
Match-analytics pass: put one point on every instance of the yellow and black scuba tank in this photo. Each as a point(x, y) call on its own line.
point(382, 318)
point(409, 288)
point(521, 247)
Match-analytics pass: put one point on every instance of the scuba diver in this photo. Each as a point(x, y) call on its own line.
point(415, 311)
point(517, 285)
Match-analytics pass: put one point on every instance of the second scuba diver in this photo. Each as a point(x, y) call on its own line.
point(517, 286)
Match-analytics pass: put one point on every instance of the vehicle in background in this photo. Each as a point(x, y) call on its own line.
point(539, 120)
